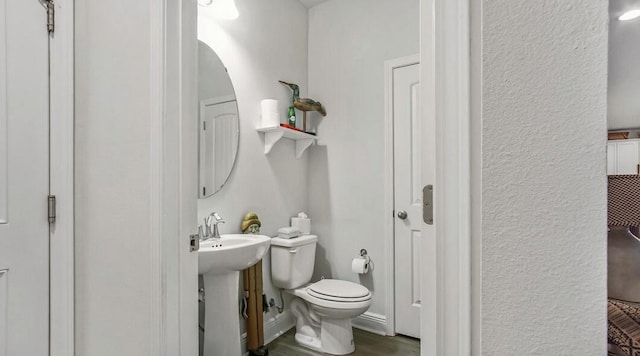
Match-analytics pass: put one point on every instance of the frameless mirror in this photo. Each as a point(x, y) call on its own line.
point(218, 122)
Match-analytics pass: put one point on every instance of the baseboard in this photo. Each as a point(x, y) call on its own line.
point(371, 322)
point(281, 323)
point(273, 327)
point(278, 325)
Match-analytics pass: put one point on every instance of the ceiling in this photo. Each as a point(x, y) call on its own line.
point(311, 3)
point(624, 69)
point(618, 7)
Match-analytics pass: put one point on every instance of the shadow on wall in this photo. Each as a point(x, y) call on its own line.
point(291, 186)
point(367, 280)
point(320, 209)
point(319, 197)
point(319, 191)
point(322, 267)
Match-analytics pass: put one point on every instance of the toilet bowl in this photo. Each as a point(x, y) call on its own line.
point(323, 310)
point(335, 299)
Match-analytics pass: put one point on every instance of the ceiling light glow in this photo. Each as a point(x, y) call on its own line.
point(630, 15)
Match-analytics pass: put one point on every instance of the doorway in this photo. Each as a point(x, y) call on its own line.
point(403, 93)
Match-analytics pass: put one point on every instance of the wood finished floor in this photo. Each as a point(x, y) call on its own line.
point(367, 344)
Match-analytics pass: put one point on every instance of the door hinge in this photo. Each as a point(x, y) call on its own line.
point(194, 242)
point(427, 201)
point(51, 16)
point(52, 209)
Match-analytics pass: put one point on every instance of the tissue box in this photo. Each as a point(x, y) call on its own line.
point(302, 224)
point(288, 232)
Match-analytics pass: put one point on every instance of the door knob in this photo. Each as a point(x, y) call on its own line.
point(402, 214)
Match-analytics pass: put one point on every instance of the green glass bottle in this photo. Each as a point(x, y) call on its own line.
point(292, 116)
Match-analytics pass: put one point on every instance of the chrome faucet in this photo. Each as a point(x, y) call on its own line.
point(211, 226)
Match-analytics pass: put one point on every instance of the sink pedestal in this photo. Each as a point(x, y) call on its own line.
point(220, 262)
point(221, 315)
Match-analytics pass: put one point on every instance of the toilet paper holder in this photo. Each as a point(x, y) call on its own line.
point(363, 254)
point(362, 264)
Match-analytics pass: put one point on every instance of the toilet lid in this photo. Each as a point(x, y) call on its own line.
point(337, 290)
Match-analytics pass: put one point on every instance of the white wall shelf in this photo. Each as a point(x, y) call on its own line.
point(273, 134)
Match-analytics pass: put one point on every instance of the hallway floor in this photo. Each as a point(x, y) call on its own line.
point(367, 344)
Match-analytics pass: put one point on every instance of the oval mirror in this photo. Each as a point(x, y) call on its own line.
point(218, 122)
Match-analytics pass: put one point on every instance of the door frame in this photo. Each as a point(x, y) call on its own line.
point(173, 44)
point(445, 82)
point(61, 162)
point(445, 77)
point(175, 35)
point(389, 190)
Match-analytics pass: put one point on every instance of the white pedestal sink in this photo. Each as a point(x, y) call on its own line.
point(220, 262)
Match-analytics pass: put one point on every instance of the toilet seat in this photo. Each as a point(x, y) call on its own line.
point(350, 295)
point(339, 291)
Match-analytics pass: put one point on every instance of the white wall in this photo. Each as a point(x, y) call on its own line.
point(267, 43)
point(112, 174)
point(348, 44)
point(624, 72)
point(542, 107)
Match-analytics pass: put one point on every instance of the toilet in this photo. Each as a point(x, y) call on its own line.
point(323, 310)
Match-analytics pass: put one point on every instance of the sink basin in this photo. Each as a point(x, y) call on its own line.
point(233, 252)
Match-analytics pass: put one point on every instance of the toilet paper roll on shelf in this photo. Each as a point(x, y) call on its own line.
point(270, 113)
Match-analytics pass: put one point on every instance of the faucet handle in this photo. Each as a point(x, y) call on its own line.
point(215, 233)
point(217, 217)
point(201, 234)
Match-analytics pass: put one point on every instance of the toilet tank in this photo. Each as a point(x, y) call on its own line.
point(292, 261)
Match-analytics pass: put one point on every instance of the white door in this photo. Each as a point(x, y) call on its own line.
point(407, 198)
point(218, 143)
point(24, 179)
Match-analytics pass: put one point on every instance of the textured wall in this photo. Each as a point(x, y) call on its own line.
point(543, 253)
point(347, 50)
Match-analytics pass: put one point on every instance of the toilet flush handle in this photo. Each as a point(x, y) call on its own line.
point(293, 250)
